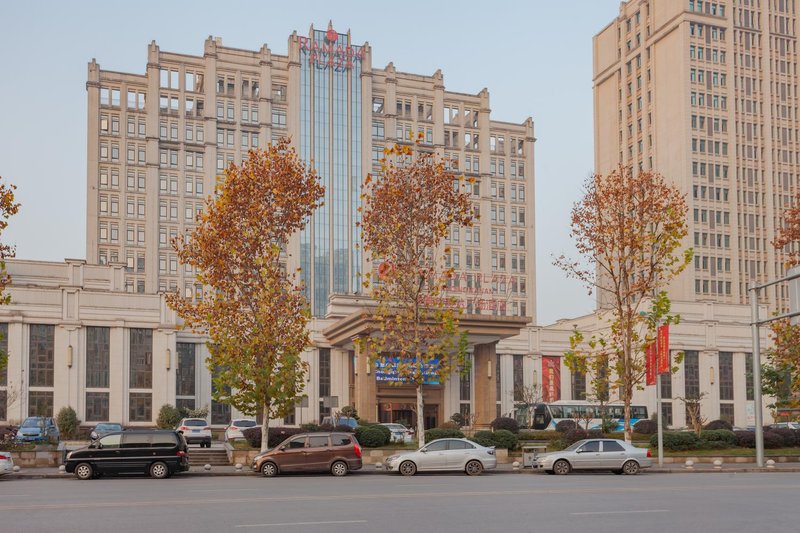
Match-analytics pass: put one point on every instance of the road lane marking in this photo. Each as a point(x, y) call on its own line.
point(386, 496)
point(622, 512)
point(306, 523)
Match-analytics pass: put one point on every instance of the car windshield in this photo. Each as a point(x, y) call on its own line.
point(575, 446)
point(195, 422)
point(32, 423)
point(244, 423)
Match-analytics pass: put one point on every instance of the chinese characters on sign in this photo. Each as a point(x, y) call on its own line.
point(330, 54)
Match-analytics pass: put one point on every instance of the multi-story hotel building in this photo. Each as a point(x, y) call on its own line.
point(159, 141)
point(705, 92)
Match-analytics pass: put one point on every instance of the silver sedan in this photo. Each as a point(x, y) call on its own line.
point(597, 454)
point(444, 454)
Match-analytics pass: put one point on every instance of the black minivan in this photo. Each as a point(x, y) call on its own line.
point(159, 453)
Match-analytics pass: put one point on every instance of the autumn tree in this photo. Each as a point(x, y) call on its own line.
point(628, 228)
point(529, 396)
point(8, 208)
point(254, 311)
point(781, 370)
point(407, 212)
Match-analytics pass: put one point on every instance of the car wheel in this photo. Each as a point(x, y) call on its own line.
point(408, 468)
point(159, 470)
point(84, 471)
point(631, 468)
point(561, 467)
point(474, 468)
point(269, 469)
point(339, 469)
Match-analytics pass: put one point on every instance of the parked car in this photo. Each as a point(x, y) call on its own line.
point(38, 429)
point(444, 454)
point(596, 454)
point(159, 453)
point(400, 433)
point(196, 430)
point(785, 425)
point(337, 453)
point(101, 430)
point(340, 421)
point(234, 430)
point(6, 463)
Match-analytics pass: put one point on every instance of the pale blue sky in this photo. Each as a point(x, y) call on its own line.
point(535, 58)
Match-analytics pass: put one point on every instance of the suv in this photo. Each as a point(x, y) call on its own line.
point(38, 429)
point(196, 430)
point(159, 453)
point(337, 453)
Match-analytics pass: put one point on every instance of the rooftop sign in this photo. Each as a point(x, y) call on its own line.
point(329, 54)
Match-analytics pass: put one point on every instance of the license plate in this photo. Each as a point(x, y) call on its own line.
point(195, 431)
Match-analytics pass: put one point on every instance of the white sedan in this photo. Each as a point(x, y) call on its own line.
point(234, 431)
point(597, 454)
point(400, 433)
point(6, 463)
point(442, 455)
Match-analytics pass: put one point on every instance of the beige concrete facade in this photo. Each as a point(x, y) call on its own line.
point(705, 92)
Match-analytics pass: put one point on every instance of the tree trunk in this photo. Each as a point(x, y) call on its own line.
point(420, 418)
point(265, 428)
point(627, 402)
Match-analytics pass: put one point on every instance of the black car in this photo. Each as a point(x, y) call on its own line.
point(159, 453)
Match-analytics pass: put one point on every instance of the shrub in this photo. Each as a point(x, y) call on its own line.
point(745, 439)
point(184, 412)
point(789, 436)
point(574, 435)
point(344, 428)
point(310, 427)
point(772, 439)
point(645, 427)
point(168, 417)
point(484, 438)
point(276, 435)
point(595, 434)
point(504, 422)
point(373, 436)
point(719, 424)
point(438, 433)
point(539, 435)
point(504, 438)
point(566, 425)
point(449, 425)
point(325, 427)
point(724, 436)
point(67, 421)
point(678, 441)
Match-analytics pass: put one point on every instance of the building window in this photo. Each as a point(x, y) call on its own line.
point(97, 358)
point(141, 406)
point(666, 385)
point(324, 380)
point(40, 403)
point(465, 387)
point(725, 376)
point(691, 367)
point(96, 406)
point(141, 360)
point(42, 355)
point(578, 385)
point(726, 412)
point(666, 413)
point(519, 378)
point(185, 373)
point(748, 370)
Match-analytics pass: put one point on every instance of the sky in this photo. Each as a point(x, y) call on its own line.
point(534, 56)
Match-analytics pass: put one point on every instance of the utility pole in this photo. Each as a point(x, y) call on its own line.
point(659, 420)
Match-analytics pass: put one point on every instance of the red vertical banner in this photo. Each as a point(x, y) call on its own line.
point(663, 349)
point(650, 363)
point(551, 379)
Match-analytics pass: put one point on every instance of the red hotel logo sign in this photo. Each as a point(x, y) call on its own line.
point(330, 54)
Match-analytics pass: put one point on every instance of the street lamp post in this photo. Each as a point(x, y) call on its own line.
point(659, 421)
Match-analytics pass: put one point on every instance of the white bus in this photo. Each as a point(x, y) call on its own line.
point(547, 415)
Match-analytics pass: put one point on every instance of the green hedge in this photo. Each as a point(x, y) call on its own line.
point(539, 435)
point(502, 438)
point(723, 436)
point(678, 441)
point(373, 436)
point(443, 433)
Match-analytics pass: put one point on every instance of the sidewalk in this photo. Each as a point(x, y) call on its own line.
point(230, 471)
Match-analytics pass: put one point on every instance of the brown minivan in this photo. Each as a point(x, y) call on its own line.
point(337, 453)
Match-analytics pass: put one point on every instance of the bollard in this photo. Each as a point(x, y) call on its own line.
point(770, 463)
point(689, 464)
point(717, 464)
point(238, 467)
point(16, 469)
point(515, 466)
point(62, 469)
point(207, 467)
point(378, 466)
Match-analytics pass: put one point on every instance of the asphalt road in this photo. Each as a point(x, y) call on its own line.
point(387, 504)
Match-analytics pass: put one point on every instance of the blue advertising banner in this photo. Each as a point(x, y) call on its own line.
point(386, 371)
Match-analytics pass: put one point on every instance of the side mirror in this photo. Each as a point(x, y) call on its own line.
point(424, 450)
point(580, 450)
point(282, 448)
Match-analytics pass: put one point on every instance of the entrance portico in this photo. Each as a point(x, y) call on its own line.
point(386, 401)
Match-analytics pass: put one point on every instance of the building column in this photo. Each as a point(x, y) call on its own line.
point(365, 391)
point(485, 364)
